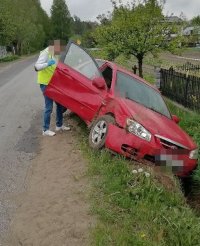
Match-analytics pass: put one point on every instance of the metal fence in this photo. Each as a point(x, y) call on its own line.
point(188, 67)
point(180, 87)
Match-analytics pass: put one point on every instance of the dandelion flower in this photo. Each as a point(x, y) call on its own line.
point(134, 171)
point(140, 170)
point(147, 174)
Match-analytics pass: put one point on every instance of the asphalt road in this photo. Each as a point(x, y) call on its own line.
point(21, 106)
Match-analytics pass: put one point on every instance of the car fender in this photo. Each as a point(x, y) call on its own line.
point(117, 111)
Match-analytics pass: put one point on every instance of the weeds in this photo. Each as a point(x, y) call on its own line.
point(9, 58)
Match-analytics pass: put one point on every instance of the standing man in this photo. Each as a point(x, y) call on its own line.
point(45, 66)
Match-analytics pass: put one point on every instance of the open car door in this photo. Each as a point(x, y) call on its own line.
point(77, 83)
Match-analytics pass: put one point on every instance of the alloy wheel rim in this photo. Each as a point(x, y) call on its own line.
point(99, 132)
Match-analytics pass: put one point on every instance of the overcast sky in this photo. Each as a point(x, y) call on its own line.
point(90, 9)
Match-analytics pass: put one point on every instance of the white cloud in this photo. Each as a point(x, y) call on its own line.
point(90, 9)
point(189, 8)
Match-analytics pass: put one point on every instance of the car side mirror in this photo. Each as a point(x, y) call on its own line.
point(175, 119)
point(99, 82)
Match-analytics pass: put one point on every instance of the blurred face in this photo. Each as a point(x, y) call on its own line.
point(57, 47)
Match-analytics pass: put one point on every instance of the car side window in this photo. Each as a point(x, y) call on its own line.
point(79, 60)
point(107, 74)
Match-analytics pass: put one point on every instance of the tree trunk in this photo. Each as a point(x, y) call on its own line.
point(140, 62)
point(17, 47)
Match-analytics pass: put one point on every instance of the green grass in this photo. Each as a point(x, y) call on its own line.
point(150, 78)
point(9, 58)
point(132, 209)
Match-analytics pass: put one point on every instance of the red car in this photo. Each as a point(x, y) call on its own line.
point(125, 113)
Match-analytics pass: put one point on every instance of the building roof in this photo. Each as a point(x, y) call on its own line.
point(173, 19)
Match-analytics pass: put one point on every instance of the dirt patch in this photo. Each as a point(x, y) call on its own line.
point(54, 210)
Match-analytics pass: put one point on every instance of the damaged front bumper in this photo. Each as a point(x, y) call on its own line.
point(167, 157)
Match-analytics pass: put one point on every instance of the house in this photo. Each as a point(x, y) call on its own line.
point(193, 35)
point(173, 19)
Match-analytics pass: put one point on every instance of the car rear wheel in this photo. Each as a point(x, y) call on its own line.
point(99, 131)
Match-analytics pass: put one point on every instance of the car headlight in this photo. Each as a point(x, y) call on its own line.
point(137, 129)
point(194, 154)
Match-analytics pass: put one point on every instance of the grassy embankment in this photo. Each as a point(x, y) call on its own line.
point(133, 208)
point(136, 208)
point(9, 58)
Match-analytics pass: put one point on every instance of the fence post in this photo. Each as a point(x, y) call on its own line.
point(186, 89)
point(157, 76)
point(134, 68)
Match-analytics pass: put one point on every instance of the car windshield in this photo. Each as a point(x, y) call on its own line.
point(132, 89)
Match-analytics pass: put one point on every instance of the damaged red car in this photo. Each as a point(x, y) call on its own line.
point(124, 112)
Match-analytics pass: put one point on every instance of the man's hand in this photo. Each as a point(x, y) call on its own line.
point(51, 62)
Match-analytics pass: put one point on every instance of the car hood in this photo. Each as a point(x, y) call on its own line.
point(156, 123)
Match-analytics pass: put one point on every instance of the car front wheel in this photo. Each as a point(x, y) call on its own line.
point(99, 131)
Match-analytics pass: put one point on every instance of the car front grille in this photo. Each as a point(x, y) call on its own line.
point(170, 144)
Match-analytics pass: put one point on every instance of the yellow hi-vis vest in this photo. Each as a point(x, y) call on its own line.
point(45, 75)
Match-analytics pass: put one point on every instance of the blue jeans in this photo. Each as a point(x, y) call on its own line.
point(48, 110)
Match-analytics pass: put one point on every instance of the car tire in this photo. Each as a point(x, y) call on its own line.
point(99, 131)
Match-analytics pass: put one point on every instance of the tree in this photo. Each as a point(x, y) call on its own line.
point(136, 30)
point(88, 39)
point(77, 25)
point(7, 26)
point(83, 31)
point(61, 20)
point(196, 21)
point(24, 31)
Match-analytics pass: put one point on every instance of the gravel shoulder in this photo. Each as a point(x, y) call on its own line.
point(54, 209)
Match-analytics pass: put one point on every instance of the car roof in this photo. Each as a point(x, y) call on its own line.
point(126, 71)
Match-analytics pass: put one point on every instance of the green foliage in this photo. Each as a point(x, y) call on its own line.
point(99, 53)
point(88, 39)
point(75, 37)
point(196, 20)
point(23, 25)
point(137, 30)
point(80, 27)
point(150, 78)
point(7, 25)
point(85, 31)
point(9, 58)
point(61, 20)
